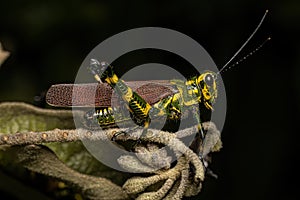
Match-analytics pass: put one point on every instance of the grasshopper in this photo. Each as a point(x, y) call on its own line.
point(146, 104)
point(145, 101)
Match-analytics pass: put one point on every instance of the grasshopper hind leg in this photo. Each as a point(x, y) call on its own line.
point(135, 104)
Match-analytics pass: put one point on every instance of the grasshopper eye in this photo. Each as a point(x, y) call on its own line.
point(209, 79)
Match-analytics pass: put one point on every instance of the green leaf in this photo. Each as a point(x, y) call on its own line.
point(20, 117)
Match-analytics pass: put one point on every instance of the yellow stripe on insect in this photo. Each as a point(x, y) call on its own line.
point(200, 78)
point(146, 124)
point(144, 110)
point(105, 112)
point(112, 80)
point(177, 96)
point(128, 96)
point(199, 126)
point(206, 93)
point(97, 77)
point(190, 82)
point(166, 104)
point(148, 107)
point(208, 106)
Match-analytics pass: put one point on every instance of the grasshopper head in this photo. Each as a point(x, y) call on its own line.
point(202, 89)
point(207, 86)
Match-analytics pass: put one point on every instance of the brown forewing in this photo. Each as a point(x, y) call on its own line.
point(100, 95)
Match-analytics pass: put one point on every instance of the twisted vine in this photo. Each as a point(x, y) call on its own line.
point(161, 179)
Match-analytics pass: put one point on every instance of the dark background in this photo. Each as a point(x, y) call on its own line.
point(49, 40)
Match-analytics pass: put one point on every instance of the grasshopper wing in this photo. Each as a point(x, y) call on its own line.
point(100, 95)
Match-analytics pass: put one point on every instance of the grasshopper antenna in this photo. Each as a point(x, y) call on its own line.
point(249, 38)
point(245, 57)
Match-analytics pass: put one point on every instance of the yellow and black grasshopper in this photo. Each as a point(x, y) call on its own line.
point(146, 101)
